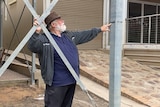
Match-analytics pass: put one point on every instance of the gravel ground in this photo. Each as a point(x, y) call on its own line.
point(26, 96)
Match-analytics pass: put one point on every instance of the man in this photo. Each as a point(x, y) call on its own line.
point(60, 84)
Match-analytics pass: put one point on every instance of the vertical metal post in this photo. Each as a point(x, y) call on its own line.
point(149, 30)
point(117, 18)
point(106, 9)
point(46, 4)
point(156, 28)
point(33, 54)
point(142, 23)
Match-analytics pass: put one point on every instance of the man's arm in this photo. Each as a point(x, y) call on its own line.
point(87, 35)
point(35, 43)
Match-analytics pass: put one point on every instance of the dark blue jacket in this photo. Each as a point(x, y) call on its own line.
point(40, 44)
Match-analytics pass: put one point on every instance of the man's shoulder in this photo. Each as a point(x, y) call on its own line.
point(68, 33)
point(43, 37)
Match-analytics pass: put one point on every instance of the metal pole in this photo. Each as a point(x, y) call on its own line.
point(106, 9)
point(46, 4)
point(117, 20)
point(33, 54)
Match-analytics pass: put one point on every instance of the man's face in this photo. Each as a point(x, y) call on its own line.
point(59, 25)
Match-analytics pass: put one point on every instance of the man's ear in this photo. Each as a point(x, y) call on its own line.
point(53, 24)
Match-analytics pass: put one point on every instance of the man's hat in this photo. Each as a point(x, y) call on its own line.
point(51, 17)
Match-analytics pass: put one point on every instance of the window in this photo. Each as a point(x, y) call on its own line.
point(142, 27)
point(134, 26)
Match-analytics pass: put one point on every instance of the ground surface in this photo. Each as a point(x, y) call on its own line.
point(26, 96)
